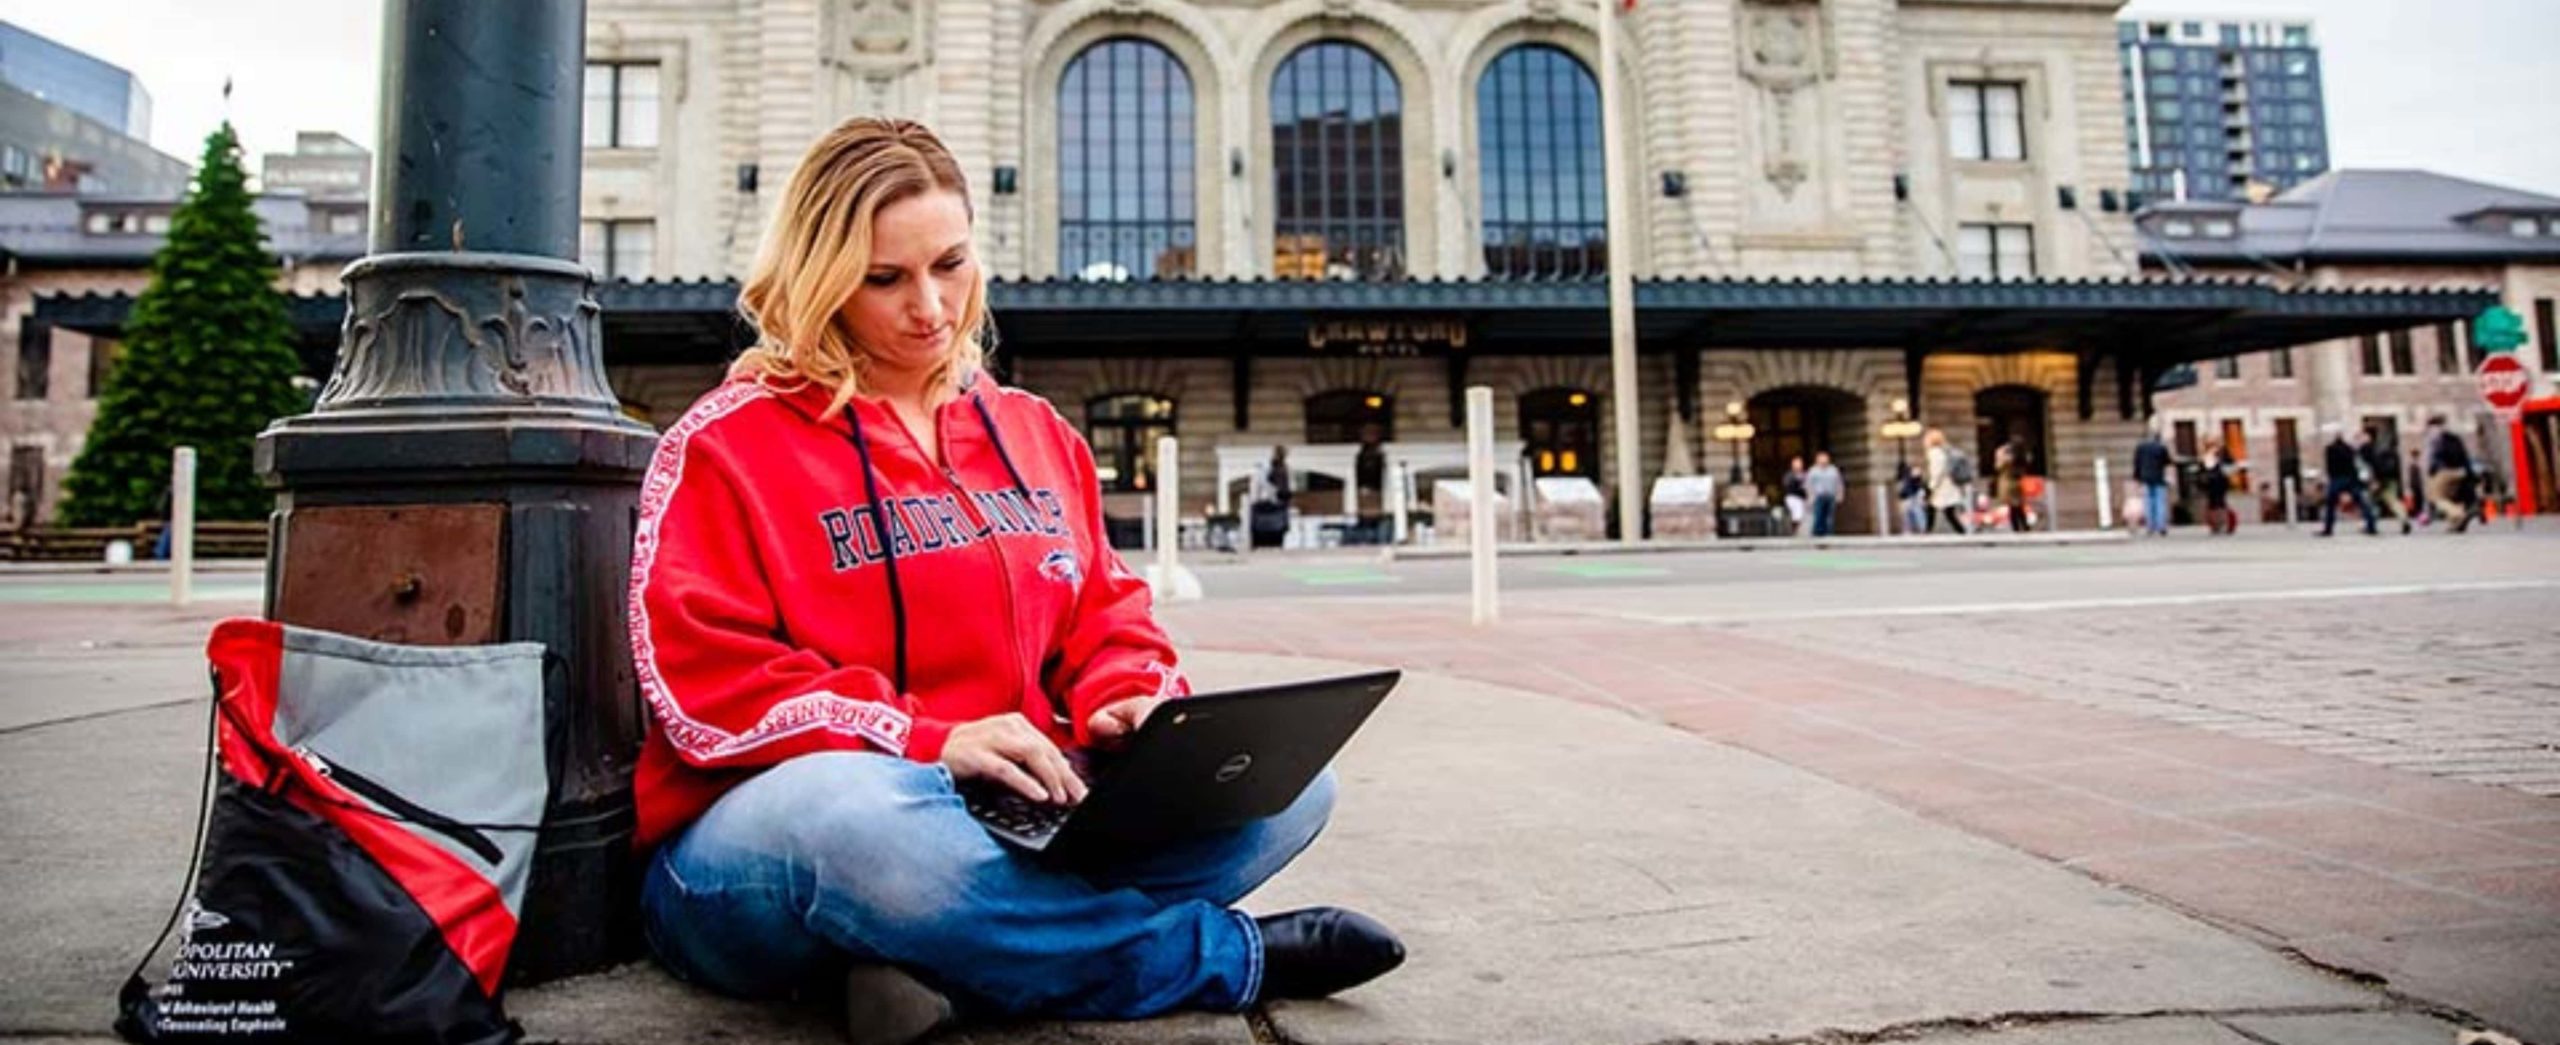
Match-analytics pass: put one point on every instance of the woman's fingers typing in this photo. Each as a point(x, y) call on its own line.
point(1010, 750)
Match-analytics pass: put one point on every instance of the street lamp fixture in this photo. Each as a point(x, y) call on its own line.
point(1901, 429)
point(1737, 431)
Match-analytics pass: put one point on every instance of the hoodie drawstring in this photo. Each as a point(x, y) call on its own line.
point(880, 520)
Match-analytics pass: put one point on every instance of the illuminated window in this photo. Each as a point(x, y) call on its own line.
point(1337, 151)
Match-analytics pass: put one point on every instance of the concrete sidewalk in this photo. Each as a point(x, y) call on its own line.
point(1562, 872)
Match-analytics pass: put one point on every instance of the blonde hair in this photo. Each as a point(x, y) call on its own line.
point(818, 249)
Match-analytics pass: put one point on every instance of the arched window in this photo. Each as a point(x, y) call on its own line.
point(1123, 430)
point(1125, 200)
point(1337, 156)
point(1539, 158)
point(1560, 429)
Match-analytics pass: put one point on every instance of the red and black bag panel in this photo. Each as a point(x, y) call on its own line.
point(365, 855)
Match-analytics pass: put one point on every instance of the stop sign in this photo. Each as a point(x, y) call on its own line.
point(2503, 383)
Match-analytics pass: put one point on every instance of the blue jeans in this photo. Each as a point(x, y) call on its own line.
point(832, 858)
point(2155, 507)
point(1825, 509)
point(2329, 505)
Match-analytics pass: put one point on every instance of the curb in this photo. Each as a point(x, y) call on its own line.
point(1752, 544)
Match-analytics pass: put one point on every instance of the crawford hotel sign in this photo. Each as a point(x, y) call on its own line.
point(1396, 337)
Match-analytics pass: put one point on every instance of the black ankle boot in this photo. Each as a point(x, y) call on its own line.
point(1317, 951)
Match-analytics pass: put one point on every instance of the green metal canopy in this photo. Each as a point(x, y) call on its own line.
point(2151, 323)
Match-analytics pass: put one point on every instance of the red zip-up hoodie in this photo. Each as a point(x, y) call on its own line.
point(800, 585)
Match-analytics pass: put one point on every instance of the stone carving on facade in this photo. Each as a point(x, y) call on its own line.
point(873, 46)
point(1546, 10)
point(1786, 57)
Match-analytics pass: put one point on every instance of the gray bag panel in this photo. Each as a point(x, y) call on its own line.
point(456, 729)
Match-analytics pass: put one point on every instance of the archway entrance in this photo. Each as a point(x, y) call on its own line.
point(1802, 420)
point(2003, 411)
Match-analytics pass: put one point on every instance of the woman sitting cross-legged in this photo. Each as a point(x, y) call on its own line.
point(863, 574)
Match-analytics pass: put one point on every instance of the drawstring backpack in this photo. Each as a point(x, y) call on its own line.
point(362, 859)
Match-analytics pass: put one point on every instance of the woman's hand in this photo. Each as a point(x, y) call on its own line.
point(1114, 722)
point(1008, 749)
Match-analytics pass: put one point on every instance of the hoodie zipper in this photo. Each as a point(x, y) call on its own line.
point(969, 507)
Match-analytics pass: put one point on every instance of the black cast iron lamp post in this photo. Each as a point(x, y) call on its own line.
point(467, 475)
point(1737, 431)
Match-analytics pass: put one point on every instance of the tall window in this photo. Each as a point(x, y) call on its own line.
point(1986, 120)
point(2404, 353)
point(1125, 199)
point(2182, 439)
point(622, 105)
point(1337, 151)
point(35, 360)
point(1123, 429)
point(2544, 327)
point(2226, 368)
point(1538, 142)
point(1561, 430)
point(618, 249)
point(1995, 251)
point(2369, 352)
point(2448, 350)
point(2288, 448)
point(2280, 364)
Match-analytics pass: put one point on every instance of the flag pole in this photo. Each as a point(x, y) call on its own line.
point(1624, 400)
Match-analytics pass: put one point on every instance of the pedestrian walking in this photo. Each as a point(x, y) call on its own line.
point(2009, 471)
point(1791, 487)
point(866, 574)
point(2347, 468)
point(2381, 454)
point(1825, 486)
point(1912, 492)
point(2213, 478)
point(1950, 480)
point(2452, 489)
point(2151, 469)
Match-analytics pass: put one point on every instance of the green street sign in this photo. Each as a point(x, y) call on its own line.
point(2497, 329)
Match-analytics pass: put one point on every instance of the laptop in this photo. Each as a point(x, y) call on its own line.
point(1202, 763)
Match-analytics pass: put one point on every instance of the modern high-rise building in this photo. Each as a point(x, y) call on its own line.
point(2221, 110)
point(75, 80)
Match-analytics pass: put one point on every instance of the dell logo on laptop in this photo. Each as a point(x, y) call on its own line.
point(1234, 768)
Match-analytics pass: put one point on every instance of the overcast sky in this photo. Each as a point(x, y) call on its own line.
point(2467, 87)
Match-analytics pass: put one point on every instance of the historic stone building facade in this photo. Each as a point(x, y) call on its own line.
point(1769, 138)
point(2354, 229)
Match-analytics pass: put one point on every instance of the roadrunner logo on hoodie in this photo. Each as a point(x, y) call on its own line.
point(1060, 565)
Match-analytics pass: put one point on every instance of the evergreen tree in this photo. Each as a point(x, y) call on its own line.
point(207, 361)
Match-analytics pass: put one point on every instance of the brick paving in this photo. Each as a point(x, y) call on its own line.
point(2422, 880)
point(2450, 685)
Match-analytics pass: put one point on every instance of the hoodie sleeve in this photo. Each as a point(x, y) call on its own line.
point(1113, 648)
point(707, 640)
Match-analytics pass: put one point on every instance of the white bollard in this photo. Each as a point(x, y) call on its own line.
point(1884, 506)
point(2285, 493)
point(1399, 485)
point(182, 527)
point(1168, 504)
point(1480, 521)
point(2106, 498)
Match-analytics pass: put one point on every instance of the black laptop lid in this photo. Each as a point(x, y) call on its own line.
point(1219, 760)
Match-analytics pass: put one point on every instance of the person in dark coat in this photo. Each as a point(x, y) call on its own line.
point(2151, 469)
point(2346, 479)
point(2381, 453)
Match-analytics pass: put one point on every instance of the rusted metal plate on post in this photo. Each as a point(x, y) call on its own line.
point(426, 575)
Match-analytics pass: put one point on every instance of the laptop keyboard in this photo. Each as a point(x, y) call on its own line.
point(1007, 809)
